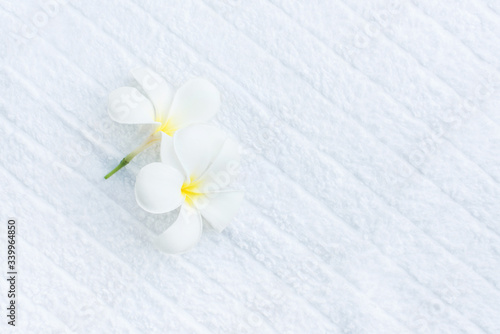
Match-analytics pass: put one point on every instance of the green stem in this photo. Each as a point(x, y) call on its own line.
point(122, 164)
point(151, 139)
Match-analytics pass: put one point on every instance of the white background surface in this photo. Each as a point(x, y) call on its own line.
point(371, 136)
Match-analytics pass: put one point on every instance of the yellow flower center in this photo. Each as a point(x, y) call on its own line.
point(168, 127)
point(191, 189)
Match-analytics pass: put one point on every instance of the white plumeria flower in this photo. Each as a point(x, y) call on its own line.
point(194, 175)
point(197, 101)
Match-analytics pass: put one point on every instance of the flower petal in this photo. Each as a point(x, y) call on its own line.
point(221, 208)
point(197, 101)
point(183, 234)
point(158, 188)
point(127, 105)
point(197, 146)
point(223, 170)
point(167, 153)
point(157, 89)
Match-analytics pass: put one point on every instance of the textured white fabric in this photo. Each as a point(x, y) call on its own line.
point(371, 166)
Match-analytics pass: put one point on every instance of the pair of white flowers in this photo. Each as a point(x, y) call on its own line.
point(198, 161)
